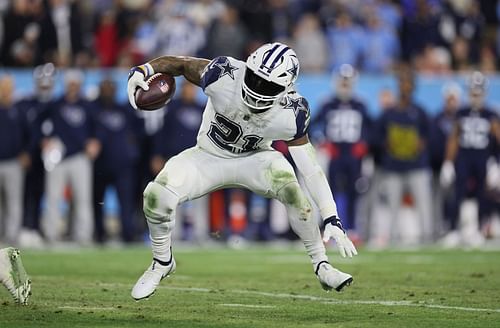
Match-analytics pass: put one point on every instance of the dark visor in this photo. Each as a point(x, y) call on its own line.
point(261, 86)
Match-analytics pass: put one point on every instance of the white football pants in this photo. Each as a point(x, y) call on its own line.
point(195, 172)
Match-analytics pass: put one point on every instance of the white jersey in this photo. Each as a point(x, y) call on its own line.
point(229, 129)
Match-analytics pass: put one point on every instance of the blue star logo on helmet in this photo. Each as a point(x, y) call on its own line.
point(226, 69)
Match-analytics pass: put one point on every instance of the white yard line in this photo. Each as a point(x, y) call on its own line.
point(324, 300)
point(254, 306)
point(329, 300)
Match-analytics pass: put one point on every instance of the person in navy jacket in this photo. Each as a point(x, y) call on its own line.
point(32, 107)
point(68, 149)
point(442, 126)
point(342, 129)
point(13, 159)
point(473, 140)
point(402, 133)
point(118, 130)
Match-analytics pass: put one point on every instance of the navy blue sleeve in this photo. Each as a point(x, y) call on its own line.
point(424, 124)
point(379, 134)
point(302, 116)
point(367, 127)
point(317, 126)
point(212, 72)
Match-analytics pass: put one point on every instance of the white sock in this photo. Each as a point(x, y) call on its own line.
point(308, 231)
point(161, 239)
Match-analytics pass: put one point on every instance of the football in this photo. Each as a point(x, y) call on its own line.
point(161, 90)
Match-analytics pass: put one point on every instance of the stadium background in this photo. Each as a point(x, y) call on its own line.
point(108, 37)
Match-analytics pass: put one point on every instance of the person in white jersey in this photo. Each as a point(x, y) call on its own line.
point(249, 106)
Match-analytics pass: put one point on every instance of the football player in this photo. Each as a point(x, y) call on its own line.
point(470, 145)
point(249, 105)
point(44, 78)
point(13, 275)
point(343, 125)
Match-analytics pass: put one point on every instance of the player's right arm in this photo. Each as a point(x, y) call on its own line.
point(189, 67)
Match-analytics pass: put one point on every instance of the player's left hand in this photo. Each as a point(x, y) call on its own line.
point(334, 229)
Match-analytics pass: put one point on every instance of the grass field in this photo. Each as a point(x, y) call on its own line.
point(259, 287)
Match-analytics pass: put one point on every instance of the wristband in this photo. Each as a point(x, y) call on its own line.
point(334, 221)
point(145, 70)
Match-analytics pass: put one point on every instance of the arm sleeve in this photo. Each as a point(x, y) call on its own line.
point(304, 157)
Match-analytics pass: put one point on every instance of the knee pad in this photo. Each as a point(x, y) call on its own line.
point(296, 202)
point(159, 203)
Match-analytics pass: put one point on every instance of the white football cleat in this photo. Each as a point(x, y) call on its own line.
point(150, 279)
point(13, 275)
point(331, 278)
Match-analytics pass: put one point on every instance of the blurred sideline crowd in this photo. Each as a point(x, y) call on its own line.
point(402, 178)
point(436, 36)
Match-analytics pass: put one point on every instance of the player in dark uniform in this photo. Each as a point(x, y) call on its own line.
point(118, 130)
point(441, 128)
point(31, 108)
point(469, 147)
point(342, 127)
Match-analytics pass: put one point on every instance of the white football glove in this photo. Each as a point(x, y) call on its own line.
point(493, 174)
point(333, 229)
point(136, 80)
point(447, 175)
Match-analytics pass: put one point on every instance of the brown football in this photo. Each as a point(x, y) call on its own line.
point(161, 90)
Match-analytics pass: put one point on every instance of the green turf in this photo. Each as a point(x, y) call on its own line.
point(259, 288)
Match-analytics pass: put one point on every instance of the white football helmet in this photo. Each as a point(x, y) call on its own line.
point(270, 73)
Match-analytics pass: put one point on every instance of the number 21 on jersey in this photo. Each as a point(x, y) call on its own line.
point(228, 135)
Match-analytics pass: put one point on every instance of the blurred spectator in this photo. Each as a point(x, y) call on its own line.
point(107, 39)
point(402, 133)
point(227, 36)
point(68, 147)
point(462, 19)
point(118, 131)
point(470, 145)
point(433, 60)
point(179, 132)
point(21, 32)
point(487, 63)
point(460, 50)
point(32, 107)
point(389, 14)
point(256, 16)
point(281, 22)
point(205, 12)
point(387, 99)
point(61, 37)
point(142, 44)
point(442, 126)
point(175, 33)
point(420, 29)
point(380, 46)
point(344, 126)
point(346, 40)
point(13, 159)
point(310, 45)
